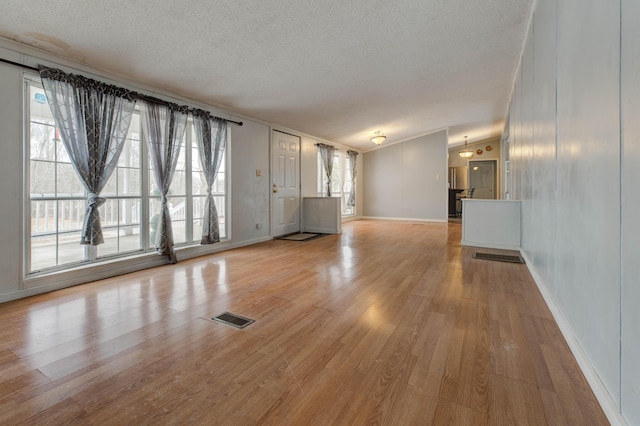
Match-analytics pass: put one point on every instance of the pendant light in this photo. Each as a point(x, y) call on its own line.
point(466, 153)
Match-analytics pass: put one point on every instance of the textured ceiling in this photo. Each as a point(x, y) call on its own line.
point(338, 70)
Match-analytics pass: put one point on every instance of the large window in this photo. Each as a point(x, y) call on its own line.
point(57, 199)
point(341, 182)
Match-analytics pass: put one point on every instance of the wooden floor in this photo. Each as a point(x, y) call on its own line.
point(390, 323)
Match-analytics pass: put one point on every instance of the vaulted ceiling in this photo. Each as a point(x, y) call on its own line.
point(338, 70)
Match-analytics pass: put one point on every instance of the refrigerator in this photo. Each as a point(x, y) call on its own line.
point(458, 177)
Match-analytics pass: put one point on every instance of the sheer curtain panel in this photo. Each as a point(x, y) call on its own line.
point(164, 127)
point(326, 153)
point(93, 119)
point(351, 201)
point(211, 136)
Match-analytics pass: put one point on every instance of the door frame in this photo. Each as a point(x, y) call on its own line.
point(494, 162)
point(272, 213)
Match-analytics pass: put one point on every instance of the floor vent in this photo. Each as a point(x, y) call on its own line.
point(233, 320)
point(498, 257)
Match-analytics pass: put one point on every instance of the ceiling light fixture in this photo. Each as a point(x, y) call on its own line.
point(466, 153)
point(378, 137)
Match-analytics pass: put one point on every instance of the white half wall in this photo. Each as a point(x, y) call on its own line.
point(407, 180)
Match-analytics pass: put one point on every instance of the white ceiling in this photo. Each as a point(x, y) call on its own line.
point(338, 70)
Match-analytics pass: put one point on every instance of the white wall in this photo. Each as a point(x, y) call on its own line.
point(249, 151)
point(10, 178)
point(565, 149)
point(630, 324)
point(249, 196)
point(308, 167)
point(407, 180)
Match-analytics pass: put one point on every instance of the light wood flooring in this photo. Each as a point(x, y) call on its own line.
point(390, 323)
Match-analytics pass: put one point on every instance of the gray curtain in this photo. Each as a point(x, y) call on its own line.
point(164, 127)
point(211, 136)
point(93, 120)
point(351, 201)
point(326, 153)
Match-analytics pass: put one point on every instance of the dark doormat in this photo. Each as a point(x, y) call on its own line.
point(498, 257)
point(233, 320)
point(302, 236)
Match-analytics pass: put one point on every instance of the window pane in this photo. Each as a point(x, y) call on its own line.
point(110, 245)
point(121, 230)
point(109, 213)
point(69, 248)
point(198, 184)
point(69, 183)
point(43, 252)
point(219, 184)
point(130, 156)
point(178, 212)
point(130, 211)
point(42, 144)
point(43, 217)
point(221, 207)
point(38, 105)
point(130, 238)
point(111, 188)
point(71, 214)
point(198, 212)
point(178, 184)
point(154, 218)
point(42, 178)
point(195, 158)
point(128, 181)
point(336, 172)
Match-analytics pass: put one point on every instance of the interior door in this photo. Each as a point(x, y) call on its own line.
point(482, 177)
point(285, 184)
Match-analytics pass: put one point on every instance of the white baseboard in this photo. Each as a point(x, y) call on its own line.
point(489, 245)
point(204, 250)
point(405, 219)
point(600, 391)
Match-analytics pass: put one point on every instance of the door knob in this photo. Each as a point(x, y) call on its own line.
point(275, 190)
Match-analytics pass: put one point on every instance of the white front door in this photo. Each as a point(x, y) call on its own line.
point(285, 184)
point(482, 177)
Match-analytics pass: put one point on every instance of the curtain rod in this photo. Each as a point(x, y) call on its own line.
point(137, 95)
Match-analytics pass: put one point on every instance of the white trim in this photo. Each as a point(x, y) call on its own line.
point(351, 218)
point(600, 391)
point(191, 252)
point(405, 219)
point(481, 244)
